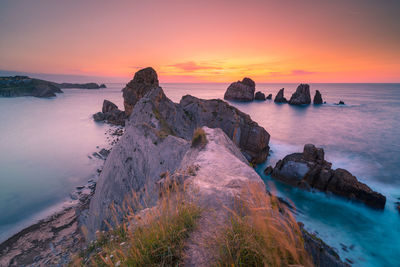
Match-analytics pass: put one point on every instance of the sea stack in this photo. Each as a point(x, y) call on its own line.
point(301, 96)
point(279, 97)
point(241, 90)
point(317, 98)
point(143, 81)
point(259, 96)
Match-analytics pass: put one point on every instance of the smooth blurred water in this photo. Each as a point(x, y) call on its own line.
point(45, 144)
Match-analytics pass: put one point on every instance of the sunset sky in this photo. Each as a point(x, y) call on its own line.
point(205, 41)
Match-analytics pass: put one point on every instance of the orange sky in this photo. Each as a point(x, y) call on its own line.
point(205, 41)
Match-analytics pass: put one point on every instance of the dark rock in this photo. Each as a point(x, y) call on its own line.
point(341, 102)
point(241, 90)
point(99, 116)
point(104, 152)
point(268, 170)
point(317, 98)
point(301, 96)
point(103, 85)
point(143, 81)
point(108, 106)
point(269, 96)
point(80, 85)
point(279, 98)
point(398, 208)
point(310, 170)
point(24, 86)
point(321, 254)
point(259, 96)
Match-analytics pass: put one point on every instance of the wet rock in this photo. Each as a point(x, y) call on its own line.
point(279, 98)
point(309, 170)
point(259, 96)
point(301, 96)
point(317, 98)
point(111, 114)
point(268, 170)
point(269, 97)
point(143, 81)
point(241, 90)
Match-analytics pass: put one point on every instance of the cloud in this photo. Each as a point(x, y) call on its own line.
point(290, 73)
point(193, 66)
point(302, 72)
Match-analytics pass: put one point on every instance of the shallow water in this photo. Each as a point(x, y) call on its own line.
point(46, 143)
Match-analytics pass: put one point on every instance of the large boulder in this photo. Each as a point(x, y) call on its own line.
point(108, 106)
point(111, 114)
point(259, 96)
point(301, 96)
point(279, 98)
point(318, 98)
point(143, 81)
point(309, 170)
point(241, 90)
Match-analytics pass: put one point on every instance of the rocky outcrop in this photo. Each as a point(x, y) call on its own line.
point(340, 103)
point(81, 85)
point(252, 139)
point(309, 170)
point(111, 114)
point(269, 97)
point(318, 98)
point(241, 90)
point(301, 96)
point(143, 81)
point(279, 98)
point(24, 86)
point(259, 96)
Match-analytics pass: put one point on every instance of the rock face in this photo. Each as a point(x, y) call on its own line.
point(309, 170)
point(279, 98)
point(301, 96)
point(111, 114)
point(81, 85)
point(269, 96)
point(318, 98)
point(143, 81)
point(259, 96)
point(241, 90)
point(24, 86)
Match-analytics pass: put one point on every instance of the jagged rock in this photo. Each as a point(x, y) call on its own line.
point(108, 106)
point(143, 81)
point(317, 98)
point(301, 96)
point(310, 170)
point(340, 103)
point(268, 170)
point(269, 96)
point(241, 90)
point(111, 114)
point(259, 96)
point(279, 98)
point(24, 86)
point(252, 139)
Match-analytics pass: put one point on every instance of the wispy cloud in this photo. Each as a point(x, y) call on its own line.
point(193, 66)
point(302, 72)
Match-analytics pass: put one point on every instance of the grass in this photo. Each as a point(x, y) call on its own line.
point(157, 238)
point(261, 232)
point(199, 139)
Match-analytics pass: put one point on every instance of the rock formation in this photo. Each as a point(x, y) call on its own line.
point(318, 98)
point(81, 85)
point(111, 114)
point(24, 86)
point(301, 96)
point(309, 170)
point(259, 96)
point(269, 96)
point(279, 98)
point(143, 81)
point(241, 90)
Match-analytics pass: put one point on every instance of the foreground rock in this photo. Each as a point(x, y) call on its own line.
point(318, 98)
point(259, 96)
point(111, 114)
point(301, 96)
point(279, 98)
point(269, 97)
point(241, 90)
point(81, 85)
point(143, 81)
point(24, 86)
point(309, 170)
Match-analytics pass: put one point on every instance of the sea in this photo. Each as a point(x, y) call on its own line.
point(46, 148)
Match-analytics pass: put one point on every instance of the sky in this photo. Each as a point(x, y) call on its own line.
point(205, 41)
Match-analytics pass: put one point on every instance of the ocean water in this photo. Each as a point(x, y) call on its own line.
point(46, 143)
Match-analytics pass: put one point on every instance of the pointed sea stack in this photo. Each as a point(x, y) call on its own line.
point(241, 90)
point(143, 81)
point(317, 98)
point(301, 96)
point(279, 97)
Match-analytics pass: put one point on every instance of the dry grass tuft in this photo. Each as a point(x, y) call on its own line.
point(199, 139)
point(261, 232)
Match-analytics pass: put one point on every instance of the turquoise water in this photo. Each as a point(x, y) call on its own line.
point(45, 145)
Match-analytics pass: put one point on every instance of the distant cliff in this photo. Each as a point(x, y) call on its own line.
point(14, 86)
